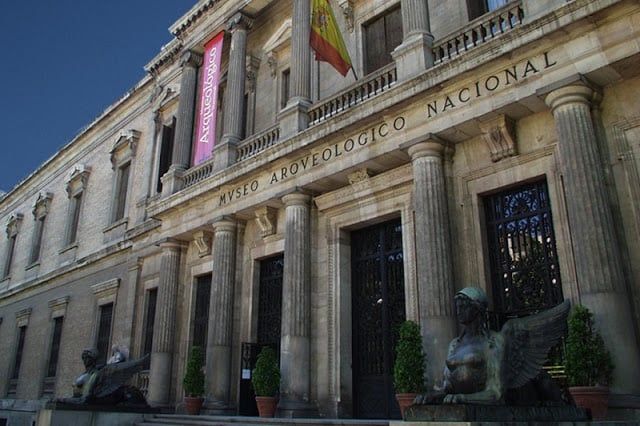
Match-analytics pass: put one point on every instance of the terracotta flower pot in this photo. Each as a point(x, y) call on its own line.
point(595, 398)
point(405, 400)
point(193, 404)
point(266, 405)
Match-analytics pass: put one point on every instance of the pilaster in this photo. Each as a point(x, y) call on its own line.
point(433, 250)
point(294, 117)
point(218, 366)
point(414, 54)
point(295, 342)
point(181, 159)
point(165, 324)
point(599, 273)
point(225, 154)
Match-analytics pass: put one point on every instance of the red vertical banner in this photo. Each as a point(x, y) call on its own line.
point(208, 104)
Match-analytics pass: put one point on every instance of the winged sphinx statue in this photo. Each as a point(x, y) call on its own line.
point(107, 385)
point(490, 367)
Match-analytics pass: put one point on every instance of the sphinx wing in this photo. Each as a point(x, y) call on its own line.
point(528, 340)
point(112, 376)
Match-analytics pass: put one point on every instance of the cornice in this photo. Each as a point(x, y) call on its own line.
point(167, 56)
point(191, 17)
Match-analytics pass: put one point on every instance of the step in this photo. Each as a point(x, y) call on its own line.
point(203, 420)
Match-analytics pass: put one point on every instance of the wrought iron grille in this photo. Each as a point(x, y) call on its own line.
point(104, 333)
point(270, 301)
point(378, 309)
point(522, 250)
point(201, 314)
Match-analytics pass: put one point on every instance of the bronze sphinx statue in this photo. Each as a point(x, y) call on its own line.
point(106, 385)
point(490, 367)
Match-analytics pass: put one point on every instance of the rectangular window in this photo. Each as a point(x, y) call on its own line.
point(54, 350)
point(37, 240)
point(104, 332)
point(285, 92)
point(166, 151)
point(478, 8)
point(152, 297)
point(201, 314)
point(122, 186)
point(19, 350)
point(11, 246)
point(381, 36)
point(74, 218)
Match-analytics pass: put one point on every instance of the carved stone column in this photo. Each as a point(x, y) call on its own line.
point(414, 54)
point(181, 159)
point(165, 324)
point(294, 117)
point(433, 252)
point(220, 329)
point(598, 265)
point(225, 153)
point(294, 343)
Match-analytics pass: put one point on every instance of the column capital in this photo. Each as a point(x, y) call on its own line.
point(239, 21)
point(572, 94)
point(296, 199)
point(428, 146)
point(190, 59)
point(171, 243)
point(224, 223)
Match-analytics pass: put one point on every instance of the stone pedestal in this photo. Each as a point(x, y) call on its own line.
point(493, 413)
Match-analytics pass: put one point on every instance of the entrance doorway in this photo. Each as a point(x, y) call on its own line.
point(269, 321)
point(378, 309)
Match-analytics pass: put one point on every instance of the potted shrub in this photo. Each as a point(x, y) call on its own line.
point(194, 381)
point(265, 379)
point(408, 370)
point(588, 364)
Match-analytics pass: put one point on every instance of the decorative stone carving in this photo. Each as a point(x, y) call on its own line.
point(499, 134)
point(14, 224)
point(266, 220)
point(359, 176)
point(347, 11)
point(42, 204)
point(202, 241)
point(125, 146)
point(77, 179)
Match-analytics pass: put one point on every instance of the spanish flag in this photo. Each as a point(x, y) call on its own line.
point(325, 38)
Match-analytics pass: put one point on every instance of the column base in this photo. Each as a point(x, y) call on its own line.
point(224, 155)
point(296, 410)
point(294, 118)
point(414, 55)
point(172, 181)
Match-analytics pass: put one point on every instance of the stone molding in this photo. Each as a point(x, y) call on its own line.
point(58, 306)
point(77, 179)
point(124, 147)
point(106, 291)
point(13, 225)
point(42, 204)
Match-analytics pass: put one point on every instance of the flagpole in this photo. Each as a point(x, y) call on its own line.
point(354, 72)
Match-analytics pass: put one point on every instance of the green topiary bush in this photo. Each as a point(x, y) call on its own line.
point(194, 375)
point(588, 362)
point(409, 367)
point(265, 378)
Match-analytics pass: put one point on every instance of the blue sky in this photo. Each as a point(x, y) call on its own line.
point(63, 63)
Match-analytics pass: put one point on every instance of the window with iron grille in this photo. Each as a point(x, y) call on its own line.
point(201, 314)
point(152, 297)
point(104, 332)
point(22, 332)
point(525, 273)
point(52, 366)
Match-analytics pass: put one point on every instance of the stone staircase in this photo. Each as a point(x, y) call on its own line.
point(203, 420)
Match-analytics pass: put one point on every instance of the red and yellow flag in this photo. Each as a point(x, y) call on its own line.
point(325, 38)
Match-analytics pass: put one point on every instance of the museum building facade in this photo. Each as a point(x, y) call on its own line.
point(243, 194)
